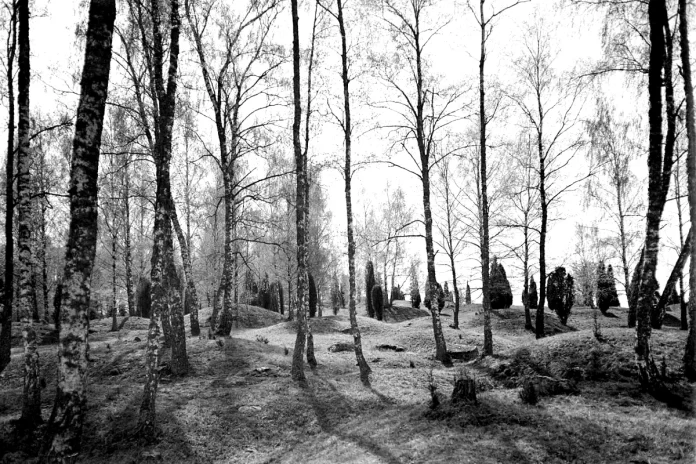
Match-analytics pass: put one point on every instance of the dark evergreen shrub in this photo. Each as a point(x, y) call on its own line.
point(415, 300)
point(369, 284)
point(281, 299)
point(499, 287)
point(603, 289)
point(397, 294)
point(533, 296)
point(525, 297)
point(415, 291)
point(143, 297)
point(467, 297)
point(378, 302)
point(529, 394)
point(561, 293)
point(614, 294)
point(312, 297)
point(439, 297)
point(275, 299)
point(264, 297)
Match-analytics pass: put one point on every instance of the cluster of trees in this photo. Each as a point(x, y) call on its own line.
point(183, 190)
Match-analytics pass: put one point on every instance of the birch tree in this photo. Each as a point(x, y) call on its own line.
point(31, 400)
point(348, 171)
point(612, 144)
point(67, 419)
point(690, 350)
point(166, 299)
point(550, 103)
point(451, 227)
point(6, 314)
point(485, 23)
point(237, 86)
point(422, 110)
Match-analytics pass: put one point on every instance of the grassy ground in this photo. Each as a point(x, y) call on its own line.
point(240, 405)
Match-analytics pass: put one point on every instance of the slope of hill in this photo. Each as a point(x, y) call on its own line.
point(240, 405)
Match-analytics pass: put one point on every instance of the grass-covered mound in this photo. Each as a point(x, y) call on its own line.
point(239, 403)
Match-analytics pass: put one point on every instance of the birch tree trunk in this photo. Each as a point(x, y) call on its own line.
point(188, 264)
point(165, 282)
point(690, 350)
point(485, 246)
point(128, 253)
point(67, 419)
point(188, 270)
point(539, 329)
point(297, 370)
point(657, 184)
point(527, 312)
point(8, 300)
point(347, 177)
point(114, 289)
point(658, 312)
point(31, 403)
point(441, 353)
point(684, 324)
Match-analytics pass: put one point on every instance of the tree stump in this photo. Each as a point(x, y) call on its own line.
point(464, 390)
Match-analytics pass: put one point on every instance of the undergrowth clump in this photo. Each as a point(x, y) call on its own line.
point(432, 388)
point(529, 394)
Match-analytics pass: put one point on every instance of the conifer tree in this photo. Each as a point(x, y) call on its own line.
point(369, 284)
point(614, 300)
point(533, 295)
point(378, 302)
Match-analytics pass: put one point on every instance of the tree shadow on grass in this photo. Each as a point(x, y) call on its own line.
point(522, 433)
point(330, 414)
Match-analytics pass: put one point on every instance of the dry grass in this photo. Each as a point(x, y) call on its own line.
point(240, 405)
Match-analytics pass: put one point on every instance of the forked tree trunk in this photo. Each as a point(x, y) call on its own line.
point(188, 270)
point(31, 407)
point(165, 282)
point(67, 419)
point(690, 349)
point(6, 314)
point(227, 160)
point(657, 185)
point(347, 176)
